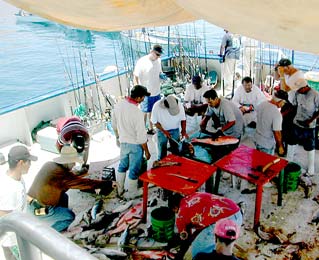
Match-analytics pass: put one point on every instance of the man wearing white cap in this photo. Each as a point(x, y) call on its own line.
point(168, 115)
point(307, 101)
point(47, 196)
point(13, 192)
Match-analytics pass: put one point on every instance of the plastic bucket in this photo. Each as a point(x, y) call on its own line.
point(163, 221)
point(292, 173)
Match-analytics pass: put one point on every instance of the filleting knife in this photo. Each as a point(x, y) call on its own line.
point(183, 177)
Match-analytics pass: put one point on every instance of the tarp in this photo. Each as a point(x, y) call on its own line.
point(288, 23)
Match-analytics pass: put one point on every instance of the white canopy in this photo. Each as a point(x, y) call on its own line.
point(287, 23)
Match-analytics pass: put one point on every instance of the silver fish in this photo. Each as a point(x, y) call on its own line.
point(96, 208)
point(111, 252)
point(100, 256)
point(124, 238)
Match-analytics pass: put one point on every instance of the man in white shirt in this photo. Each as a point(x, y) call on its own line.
point(147, 72)
point(129, 128)
point(168, 115)
point(247, 97)
point(195, 103)
point(13, 192)
point(269, 125)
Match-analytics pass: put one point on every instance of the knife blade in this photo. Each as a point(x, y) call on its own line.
point(183, 177)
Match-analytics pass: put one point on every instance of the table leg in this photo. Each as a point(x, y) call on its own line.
point(258, 203)
point(145, 198)
point(280, 187)
point(209, 184)
point(217, 181)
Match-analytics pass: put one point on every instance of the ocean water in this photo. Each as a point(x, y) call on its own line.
point(39, 57)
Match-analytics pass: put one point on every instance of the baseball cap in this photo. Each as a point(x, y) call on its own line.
point(20, 152)
point(284, 62)
point(171, 103)
point(226, 228)
point(158, 48)
point(139, 91)
point(296, 83)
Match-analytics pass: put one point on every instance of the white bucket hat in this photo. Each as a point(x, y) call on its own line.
point(68, 155)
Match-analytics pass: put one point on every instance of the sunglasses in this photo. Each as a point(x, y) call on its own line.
point(158, 54)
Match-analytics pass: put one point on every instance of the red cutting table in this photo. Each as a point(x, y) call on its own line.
point(246, 163)
point(198, 171)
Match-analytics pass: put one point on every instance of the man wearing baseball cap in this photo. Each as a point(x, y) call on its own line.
point(287, 74)
point(129, 129)
point(148, 73)
point(13, 192)
point(306, 100)
point(226, 232)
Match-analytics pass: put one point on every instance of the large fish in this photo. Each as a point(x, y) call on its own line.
point(124, 238)
point(122, 208)
point(102, 221)
point(152, 254)
point(96, 208)
point(222, 140)
point(111, 252)
point(134, 213)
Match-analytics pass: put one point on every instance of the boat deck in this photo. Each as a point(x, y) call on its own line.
point(291, 222)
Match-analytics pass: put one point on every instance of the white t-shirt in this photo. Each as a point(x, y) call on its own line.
point(269, 119)
point(254, 97)
point(162, 116)
point(148, 72)
point(128, 120)
point(195, 95)
point(12, 198)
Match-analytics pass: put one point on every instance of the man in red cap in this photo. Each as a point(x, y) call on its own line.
point(226, 232)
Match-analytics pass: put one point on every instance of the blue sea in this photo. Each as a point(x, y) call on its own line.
point(39, 57)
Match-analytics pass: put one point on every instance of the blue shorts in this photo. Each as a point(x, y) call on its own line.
point(148, 103)
point(305, 137)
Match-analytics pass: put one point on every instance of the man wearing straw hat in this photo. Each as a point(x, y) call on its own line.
point(47, 198)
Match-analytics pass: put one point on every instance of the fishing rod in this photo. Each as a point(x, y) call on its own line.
point(83, 80)
point(69, 76)
point(96, 83)
point(116, 63)
point(77, 78)
point(205, 47)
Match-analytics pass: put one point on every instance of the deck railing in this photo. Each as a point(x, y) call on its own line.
point(35, 237)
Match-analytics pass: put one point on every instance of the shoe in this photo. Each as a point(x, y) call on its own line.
point(248, 191)
point(242, 205)
point(150, 132)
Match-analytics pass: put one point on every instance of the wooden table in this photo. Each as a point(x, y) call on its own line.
point(198, 171)
point(246, 163)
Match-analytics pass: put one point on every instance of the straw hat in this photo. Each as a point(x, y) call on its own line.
point(68, 155)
